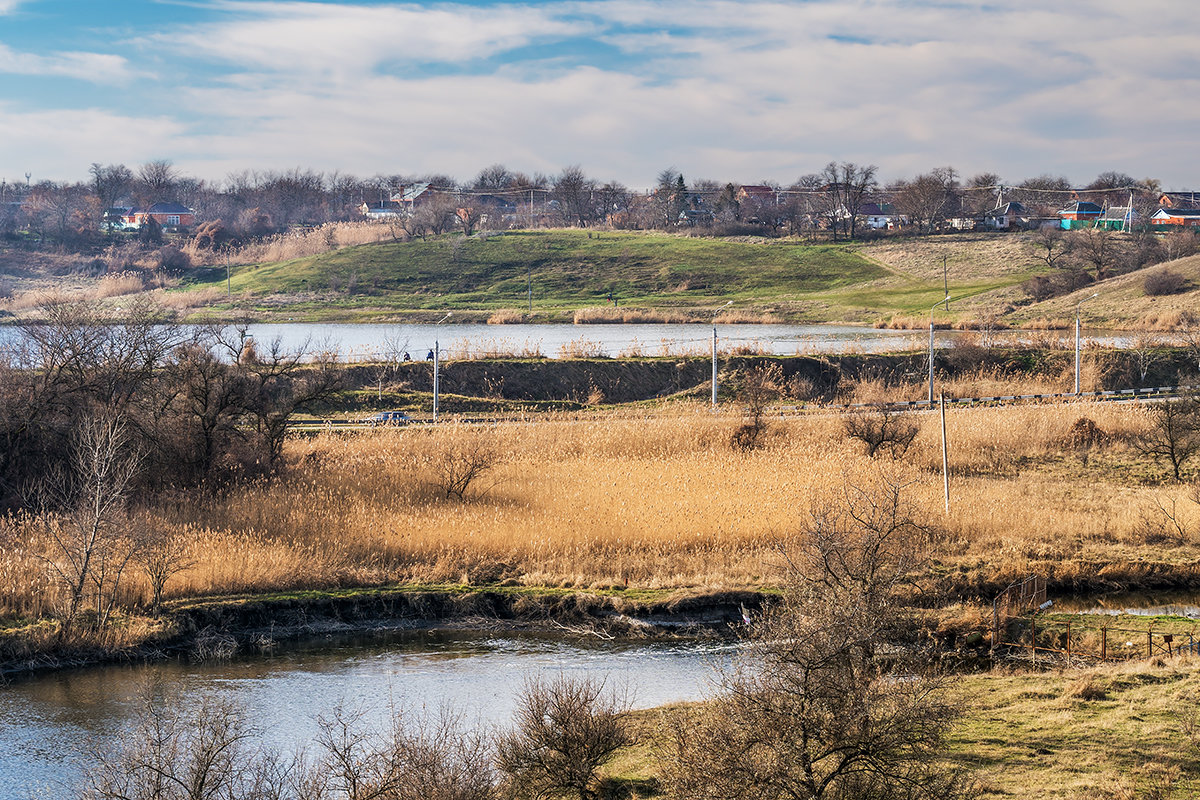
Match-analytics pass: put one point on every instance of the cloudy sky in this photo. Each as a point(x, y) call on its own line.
point(625, 88)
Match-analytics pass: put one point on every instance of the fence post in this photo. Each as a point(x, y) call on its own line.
point(1104, 643)
point(1068, 645)
point(1150, 642)
point(1033, 639)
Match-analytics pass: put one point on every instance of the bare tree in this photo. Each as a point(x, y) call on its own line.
point(162, 554)
point(812, 711)
point(109, 183)
point(88, 548)
point(927, 199)
point(846, 188)
point(882, 430)
point(387, 360)
point(461, 461)
point(1050, 245)
point(156, 181)
point(566, 729)
point(1174, 433)
point(1097, 248)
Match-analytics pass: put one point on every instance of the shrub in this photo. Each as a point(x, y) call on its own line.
point(171, 259)
point(1162, 282)
point(566, 729)
point(884, 430)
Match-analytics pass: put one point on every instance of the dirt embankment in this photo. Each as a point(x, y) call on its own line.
point(215, 627)
point(823, 379)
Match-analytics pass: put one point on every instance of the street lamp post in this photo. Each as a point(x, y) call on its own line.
point(714, 352)
point(436, 364)
point(1077, 305)
point(945, 300)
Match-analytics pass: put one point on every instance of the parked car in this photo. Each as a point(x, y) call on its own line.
point(387, 418)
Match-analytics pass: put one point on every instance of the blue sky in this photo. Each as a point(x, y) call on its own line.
point(739, 91)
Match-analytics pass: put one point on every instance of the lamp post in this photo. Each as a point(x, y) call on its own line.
point(714, 351)
point(945, 300)
point(1077, 305)
point(436, 363)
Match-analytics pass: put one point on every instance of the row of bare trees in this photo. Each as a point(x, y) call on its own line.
point(100, 413)
point(256, 203)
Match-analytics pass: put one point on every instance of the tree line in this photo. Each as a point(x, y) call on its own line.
point(250, 204)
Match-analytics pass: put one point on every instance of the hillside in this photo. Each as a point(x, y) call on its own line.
point(1122, 301)
point(569, 270)
point(648, 276)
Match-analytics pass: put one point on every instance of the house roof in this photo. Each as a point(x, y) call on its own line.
point(1082, 207)
point(1118, 214)
point(408, 194)
point(1180, 199)
point(758, 190)
point(1189, 213)
point(163, 208)
point(1008, 208)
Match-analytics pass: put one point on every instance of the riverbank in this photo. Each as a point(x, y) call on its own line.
point(218, 627)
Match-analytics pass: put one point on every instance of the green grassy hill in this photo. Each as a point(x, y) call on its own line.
point(569, 270)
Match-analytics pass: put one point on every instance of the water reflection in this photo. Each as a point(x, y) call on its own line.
point(45, 722)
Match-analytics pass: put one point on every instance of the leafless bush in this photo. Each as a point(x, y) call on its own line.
point(1174, 433)
point(86, 523)
point(419, 758)
point(1162, 282)
point(811, 711)
point(565, 730)
point(200, 754)
point(882, 430)
point(460, 461)
point(755, 388)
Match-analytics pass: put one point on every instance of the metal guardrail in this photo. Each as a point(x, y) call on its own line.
point(1115, 394)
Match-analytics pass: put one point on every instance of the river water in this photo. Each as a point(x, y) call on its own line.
point(360, 341)
point(47, 722)
point(364, 341)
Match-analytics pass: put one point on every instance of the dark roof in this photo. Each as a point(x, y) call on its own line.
point(1008, 208)
point(1082, 207)
point(1180, 212)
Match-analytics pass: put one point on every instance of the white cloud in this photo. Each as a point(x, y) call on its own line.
point(94, 67)
point(729, 90)
point(60, 145)
point(348, 40)
point(8, 6)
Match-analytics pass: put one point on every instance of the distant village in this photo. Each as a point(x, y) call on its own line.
point(843, 201)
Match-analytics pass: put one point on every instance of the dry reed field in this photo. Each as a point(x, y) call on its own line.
point(667, 503)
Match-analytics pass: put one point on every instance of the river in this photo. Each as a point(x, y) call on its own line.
point(48, 721)
point(364, 341)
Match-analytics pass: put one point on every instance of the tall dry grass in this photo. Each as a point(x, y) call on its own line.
point(619, 500)
point(604, 315)
point(296, 243)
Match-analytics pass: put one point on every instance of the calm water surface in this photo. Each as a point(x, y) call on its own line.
point(47, 722)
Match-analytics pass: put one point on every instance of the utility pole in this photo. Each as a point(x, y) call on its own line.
point(714, 352)
point(945, 281)
point(436, 365)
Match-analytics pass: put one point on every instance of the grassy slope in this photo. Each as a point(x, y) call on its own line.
point(574, 269)
point(1032, 736)
point(1124, 300)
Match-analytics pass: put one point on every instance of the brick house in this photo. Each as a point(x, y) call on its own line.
point(171, 216)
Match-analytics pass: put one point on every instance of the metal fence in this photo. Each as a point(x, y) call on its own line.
point(1079, 642)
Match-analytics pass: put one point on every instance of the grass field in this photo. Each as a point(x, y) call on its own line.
point(1123, 732)
point(666, 502)
point(570, 270)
